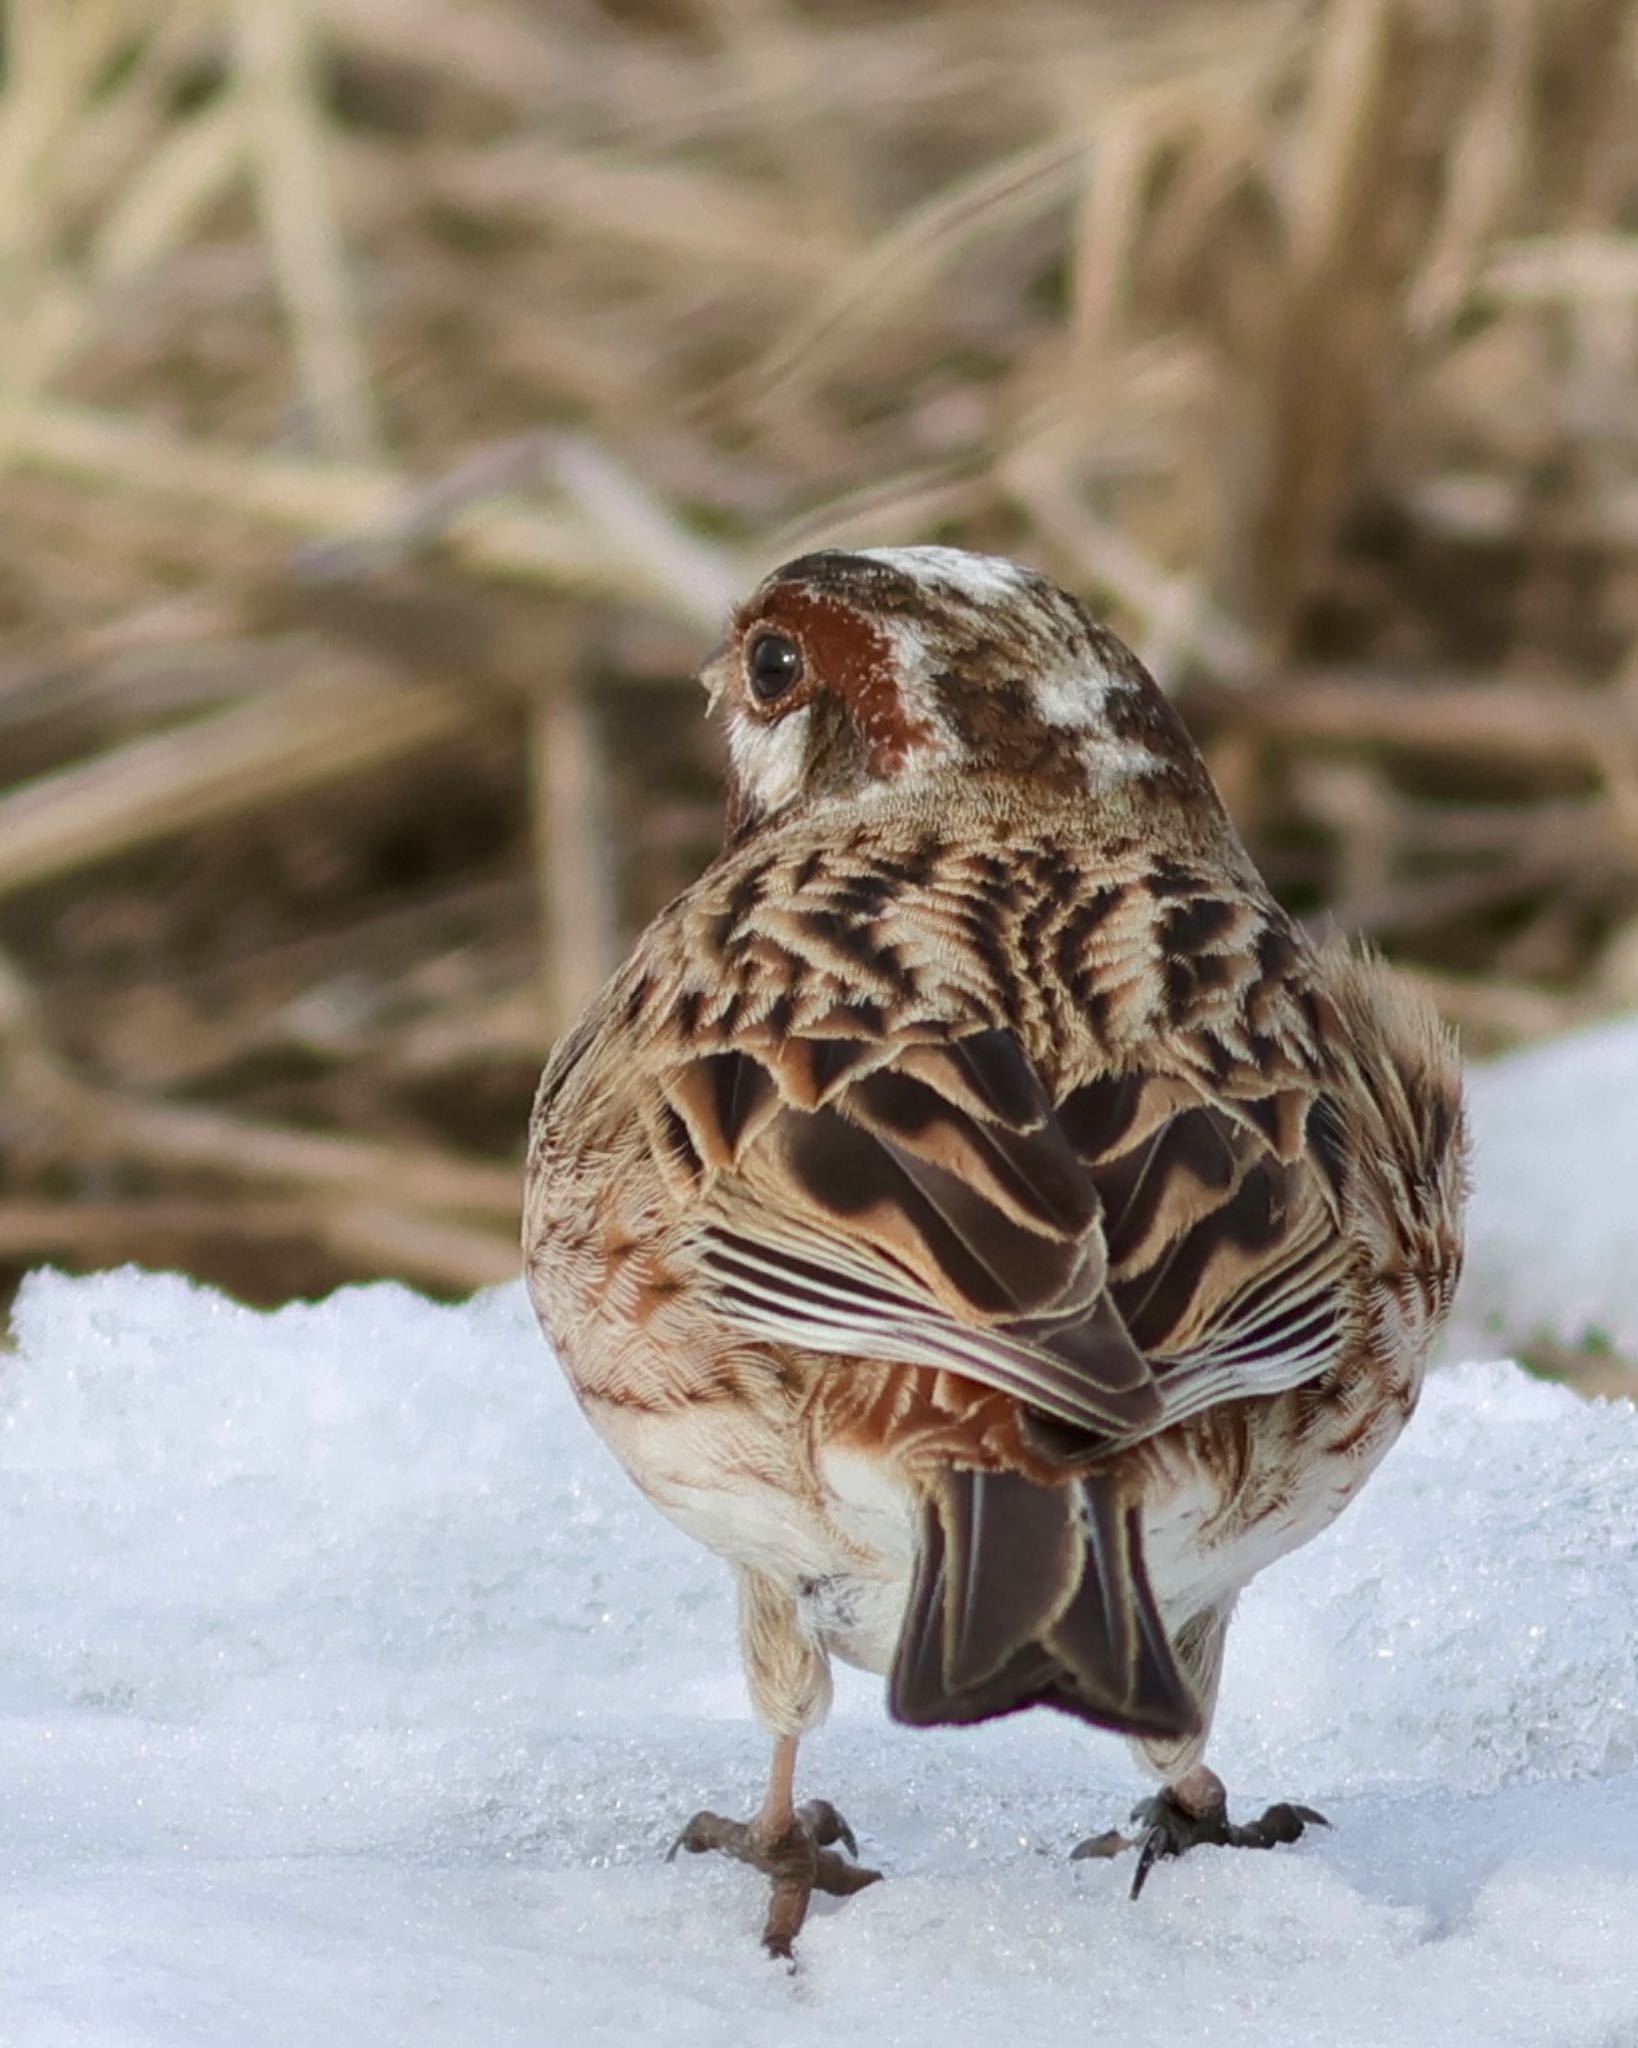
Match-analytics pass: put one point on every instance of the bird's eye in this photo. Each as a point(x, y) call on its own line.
point(774, 666)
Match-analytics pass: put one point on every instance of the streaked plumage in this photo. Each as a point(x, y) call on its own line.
point(975, 1210)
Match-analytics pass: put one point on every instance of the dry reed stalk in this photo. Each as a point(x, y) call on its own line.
point(578, 919)
point(325, 501)
point(1301, 336)
point(107, 1126)
point(1177, 619)
point(1486, 169)
point(162, 204)
point(661, 559)
point(435, 1252)
point(122, 692)
point(135, 103)
point(153, 211)
point(53, 57)
point(1493, 1015)
point(86, 1230)
point(74, 1118)
point(782, 76)
point(1337, 296)
point(1106, 246)
point(295, 738)
point(669, 214)
point(279, 63)
point(694, 579)
point(54, 53)
point(906, 260)
point(897, 510)
point(488, 50)
point(1469, 721)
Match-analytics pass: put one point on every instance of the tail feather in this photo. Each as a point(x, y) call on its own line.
point(1009, 1552)
point(1029, 1595)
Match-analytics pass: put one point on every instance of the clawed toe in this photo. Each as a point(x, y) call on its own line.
point(703, 1831)
point(799, 1861)
point(1169, 1826)
point(1281, 1822)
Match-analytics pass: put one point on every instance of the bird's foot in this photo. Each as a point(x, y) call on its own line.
point(800, 1859)
point(1195, 1810)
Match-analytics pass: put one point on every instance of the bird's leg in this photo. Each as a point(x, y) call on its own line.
point(1191, 1810)
point(1192, 1805)
point(790, 1844)
point(794, 1846)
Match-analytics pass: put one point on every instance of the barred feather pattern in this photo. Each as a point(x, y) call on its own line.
point(974, 1127)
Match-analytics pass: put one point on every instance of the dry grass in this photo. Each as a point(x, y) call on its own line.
point(392, 392)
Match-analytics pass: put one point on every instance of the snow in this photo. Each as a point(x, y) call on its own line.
point(349, 1696)
point(1553, 1233)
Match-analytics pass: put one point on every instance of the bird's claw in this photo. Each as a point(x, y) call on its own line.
point(1110, 1843)
point(1168, 1828)
point(826, 1826)
point(799, 1860)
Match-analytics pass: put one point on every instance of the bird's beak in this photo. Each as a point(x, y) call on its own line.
point(714, 674)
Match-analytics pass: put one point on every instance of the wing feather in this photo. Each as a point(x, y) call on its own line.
point(1118, 1262)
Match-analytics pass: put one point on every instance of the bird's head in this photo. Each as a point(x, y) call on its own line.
point(899, 672)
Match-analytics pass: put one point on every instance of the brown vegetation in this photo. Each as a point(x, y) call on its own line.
point(393, 391)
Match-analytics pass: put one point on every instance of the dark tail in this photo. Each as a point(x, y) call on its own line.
point(1029, 1596)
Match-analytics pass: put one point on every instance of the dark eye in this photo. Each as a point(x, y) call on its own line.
point(774, 665)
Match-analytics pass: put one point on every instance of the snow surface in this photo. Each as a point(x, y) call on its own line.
point(1553, 1231)
point(349, 1695)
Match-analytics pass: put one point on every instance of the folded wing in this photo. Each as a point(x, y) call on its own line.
point(1117, 1261)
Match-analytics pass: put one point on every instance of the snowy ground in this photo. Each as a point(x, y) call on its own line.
point(1553, 1234)
point(349, 1696)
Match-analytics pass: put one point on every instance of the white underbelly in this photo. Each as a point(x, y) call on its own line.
point(1200, 1556)
point(844, 1548)
point(841, 1537)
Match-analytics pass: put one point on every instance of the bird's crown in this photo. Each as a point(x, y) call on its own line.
point(888, 670)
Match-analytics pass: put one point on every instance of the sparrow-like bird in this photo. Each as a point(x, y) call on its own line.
point(975, 1210)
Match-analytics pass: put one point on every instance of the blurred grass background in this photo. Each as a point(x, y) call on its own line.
point(393, 392)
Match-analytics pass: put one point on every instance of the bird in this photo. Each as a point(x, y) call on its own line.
point(976, 1210)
